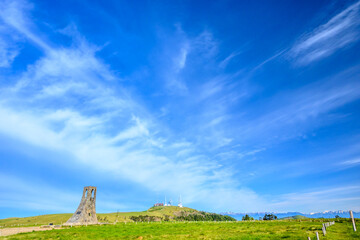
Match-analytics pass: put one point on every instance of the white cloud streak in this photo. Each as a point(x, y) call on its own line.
point(14, 14)
point(304, 106)
point(7, 54)
point(180, 51)
point(321, 199)
point(228, 59)
point(70, 101)
point(340, 31)
point(351, 162)
point(49, 118)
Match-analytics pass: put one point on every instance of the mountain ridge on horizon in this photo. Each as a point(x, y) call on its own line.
point(324, 214)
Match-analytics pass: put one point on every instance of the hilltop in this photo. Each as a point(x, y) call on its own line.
point(153, 214)
point(295, 217)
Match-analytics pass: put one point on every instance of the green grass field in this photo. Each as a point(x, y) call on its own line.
point(295, 217)
point(120, 226)
point(105, 217)
point(280, 229)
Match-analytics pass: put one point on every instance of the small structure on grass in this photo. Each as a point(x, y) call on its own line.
point(180, 203)
point(158, 204)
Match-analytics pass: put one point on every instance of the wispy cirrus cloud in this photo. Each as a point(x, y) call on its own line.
point(351, 162)
point(228, 59)
point(69, 100)
point(305, 107)
point(340, 31)
point(337, 33)
point(15, 14)
point(110, 122)
point(178, 50)
point(330, 197)
point(311, 105)
point(8, 52)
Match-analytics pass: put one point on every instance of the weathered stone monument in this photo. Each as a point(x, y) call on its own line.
point(85, 213)
point(353, 220)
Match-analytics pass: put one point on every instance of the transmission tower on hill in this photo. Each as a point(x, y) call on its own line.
point(165, 204)
point(180, 203)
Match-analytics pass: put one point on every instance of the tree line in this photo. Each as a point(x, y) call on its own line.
point(184, 216)
point(202, 216)
point(266, 217)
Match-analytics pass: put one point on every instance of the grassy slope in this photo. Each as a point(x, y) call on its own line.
point(110, 217)
point(295, 217)
point(283, 229)
point(154, 211)
point(36, 220)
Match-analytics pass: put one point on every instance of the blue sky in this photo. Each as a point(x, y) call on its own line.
point(236, 105)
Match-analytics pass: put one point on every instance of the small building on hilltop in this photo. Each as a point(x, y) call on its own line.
point(158, 204)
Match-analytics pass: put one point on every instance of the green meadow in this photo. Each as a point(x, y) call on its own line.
point(279, 229)
point(159, 213)
point(121, 225)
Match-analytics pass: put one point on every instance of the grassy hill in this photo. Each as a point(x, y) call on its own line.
point(280, 229)
point(158, 213)
point(295, 217)
point(297, 227)
point(169, 213)
point(36, 220)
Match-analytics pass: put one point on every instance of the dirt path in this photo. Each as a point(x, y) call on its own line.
point(11, 231)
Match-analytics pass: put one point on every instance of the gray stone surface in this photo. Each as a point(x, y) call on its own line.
point(353, 220)
point(85, 213)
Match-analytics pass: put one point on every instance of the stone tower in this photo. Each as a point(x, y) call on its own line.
point(85, 213)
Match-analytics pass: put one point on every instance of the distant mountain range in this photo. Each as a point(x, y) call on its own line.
point(326, 214)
